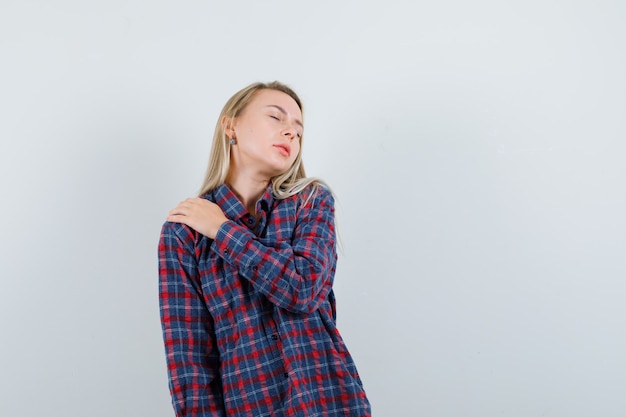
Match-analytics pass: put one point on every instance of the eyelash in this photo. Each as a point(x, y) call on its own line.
point(276, 118)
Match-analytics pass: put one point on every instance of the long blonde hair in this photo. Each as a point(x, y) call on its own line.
point(284, 185)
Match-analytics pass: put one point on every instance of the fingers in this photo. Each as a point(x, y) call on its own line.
point(189, 206)
point(179, 210)
point(201, 215)
point(180, 213)
point(184, 206)
point(178, 218)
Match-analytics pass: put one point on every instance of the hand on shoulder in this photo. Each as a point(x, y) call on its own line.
point(202, 215)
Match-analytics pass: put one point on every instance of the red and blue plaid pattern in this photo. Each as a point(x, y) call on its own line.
point(249, 318)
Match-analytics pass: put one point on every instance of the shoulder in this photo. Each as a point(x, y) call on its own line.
point(315, 194)
point(182, 231)
point(315, 203)
point(178, 233)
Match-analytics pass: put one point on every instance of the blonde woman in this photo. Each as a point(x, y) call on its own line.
point(246, 273)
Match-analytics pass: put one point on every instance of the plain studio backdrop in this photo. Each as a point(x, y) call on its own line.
point(477, 150)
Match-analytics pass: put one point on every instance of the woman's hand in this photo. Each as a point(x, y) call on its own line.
point(200, 214)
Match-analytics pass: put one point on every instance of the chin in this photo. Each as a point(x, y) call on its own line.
point(280, 169)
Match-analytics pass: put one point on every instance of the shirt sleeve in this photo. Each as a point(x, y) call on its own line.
point(295, 275)
point(188, 332)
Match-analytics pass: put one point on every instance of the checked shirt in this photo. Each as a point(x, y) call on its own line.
point(248, 319)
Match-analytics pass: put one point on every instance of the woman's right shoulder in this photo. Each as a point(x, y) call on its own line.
point(181, 230)
point(184, 234)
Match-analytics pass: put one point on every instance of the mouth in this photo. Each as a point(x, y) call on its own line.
point(284, 149)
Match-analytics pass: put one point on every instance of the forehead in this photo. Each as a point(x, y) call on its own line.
point(268, 97)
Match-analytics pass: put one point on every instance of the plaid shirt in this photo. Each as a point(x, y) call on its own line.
point(249, 318)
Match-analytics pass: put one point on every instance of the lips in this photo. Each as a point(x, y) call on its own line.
point(284, 149)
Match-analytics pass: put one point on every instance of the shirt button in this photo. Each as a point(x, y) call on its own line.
point(274, 337)
point(286, 375)
point(250, 221)
point(255, 268)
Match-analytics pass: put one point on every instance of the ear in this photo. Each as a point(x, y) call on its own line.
point(228, 125)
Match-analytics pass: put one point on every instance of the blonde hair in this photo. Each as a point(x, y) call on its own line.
point(284, 185)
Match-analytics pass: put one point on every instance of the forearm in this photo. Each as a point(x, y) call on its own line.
point(294, 274)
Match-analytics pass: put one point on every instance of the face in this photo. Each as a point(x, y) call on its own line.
point(268, 133)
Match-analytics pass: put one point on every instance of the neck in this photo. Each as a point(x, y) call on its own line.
point(248, 189)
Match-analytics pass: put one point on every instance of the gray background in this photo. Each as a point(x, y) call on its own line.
point(476, 148)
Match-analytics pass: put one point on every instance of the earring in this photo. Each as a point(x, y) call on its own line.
point(233, 141)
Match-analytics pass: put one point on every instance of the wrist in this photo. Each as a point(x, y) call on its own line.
point(217, 229)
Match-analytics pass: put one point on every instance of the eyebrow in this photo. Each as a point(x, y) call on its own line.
point(283, 111)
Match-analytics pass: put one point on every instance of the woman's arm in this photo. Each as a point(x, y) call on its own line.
point(295, 275)
point(188, 333)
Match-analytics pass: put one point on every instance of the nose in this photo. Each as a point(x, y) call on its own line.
point(290, 133)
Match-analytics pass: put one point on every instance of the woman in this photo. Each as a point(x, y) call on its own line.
point(246, 273)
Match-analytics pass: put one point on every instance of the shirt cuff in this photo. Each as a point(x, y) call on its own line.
point(231, 242)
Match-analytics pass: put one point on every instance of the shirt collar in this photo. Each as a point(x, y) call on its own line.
point(224, 197)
